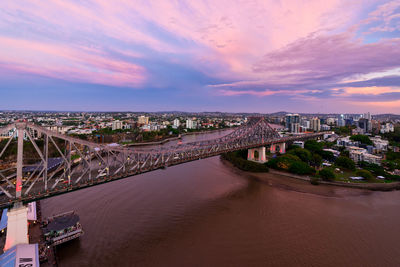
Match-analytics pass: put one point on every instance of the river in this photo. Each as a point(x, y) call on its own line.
point(206, 213)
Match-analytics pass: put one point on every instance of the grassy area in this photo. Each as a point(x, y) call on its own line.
point(344, 176)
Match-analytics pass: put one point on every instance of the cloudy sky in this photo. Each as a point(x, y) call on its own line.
point(204, 55)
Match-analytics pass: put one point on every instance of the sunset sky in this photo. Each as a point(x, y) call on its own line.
point(218, 55)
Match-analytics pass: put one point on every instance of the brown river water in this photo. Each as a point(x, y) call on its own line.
point(206, 213)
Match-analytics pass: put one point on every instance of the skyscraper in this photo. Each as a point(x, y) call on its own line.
point(315, 124)
point(177, 123)
point(292, 122)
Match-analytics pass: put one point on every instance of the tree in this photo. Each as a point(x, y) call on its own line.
point(242, 153)
point(392, 155)
point(345, 163)
point(366, 174)
point(316, 160)
point(374, 168)
point(243, 164)
point(345, 153)
point(283, 162)
point(313, 146)
point(327, 174)
point(344, 130)
point(301, 168)
point(302, 153)
point(327, 155)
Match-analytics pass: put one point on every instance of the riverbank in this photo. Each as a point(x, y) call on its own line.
point(368, 186)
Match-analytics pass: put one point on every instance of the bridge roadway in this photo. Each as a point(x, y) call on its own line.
point(101, 163)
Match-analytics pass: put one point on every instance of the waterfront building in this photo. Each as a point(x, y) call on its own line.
point(358, 154)
point(191, 124)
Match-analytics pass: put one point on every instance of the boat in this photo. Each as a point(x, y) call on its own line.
point(62, 228)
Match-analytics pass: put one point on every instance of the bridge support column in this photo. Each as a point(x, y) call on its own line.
point(17, 226)
point(257, 154)
point(279, 147)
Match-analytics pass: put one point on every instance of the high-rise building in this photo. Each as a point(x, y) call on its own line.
point(341, 122)
point(305, 124)
point(191, 124)
point(363, 125)
point(367, 116)
point(176, 123)
point(315, 124)
point(143, 120)
point(291, 119)
point(295, 127)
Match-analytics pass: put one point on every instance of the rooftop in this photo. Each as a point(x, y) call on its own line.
point(61, 222)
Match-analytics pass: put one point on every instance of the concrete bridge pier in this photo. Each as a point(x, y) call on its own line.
point(17, 226)
point(257, 154)
point(279, 147)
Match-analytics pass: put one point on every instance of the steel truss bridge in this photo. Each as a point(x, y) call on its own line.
point(82, 164)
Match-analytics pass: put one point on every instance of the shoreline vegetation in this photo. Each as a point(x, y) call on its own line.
point(238, 161)
point(245, 165)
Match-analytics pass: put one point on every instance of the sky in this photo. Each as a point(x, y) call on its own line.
point(339, 56)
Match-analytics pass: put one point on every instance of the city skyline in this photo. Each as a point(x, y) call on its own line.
point(261, 56)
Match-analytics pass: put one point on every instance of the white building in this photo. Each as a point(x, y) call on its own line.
point(295, 127)
point(380, 145)
point(116, 125)
point(387, 128)
point(331, 121)
point(191, 124)
point(305, 124)
point(176, 123)
point(358, 154)
point(325, 127)
point(315, 124)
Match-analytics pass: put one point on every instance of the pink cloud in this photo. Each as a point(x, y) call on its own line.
point(298, 42)
point(263, 92)
point(68, 63)
point(329, 58)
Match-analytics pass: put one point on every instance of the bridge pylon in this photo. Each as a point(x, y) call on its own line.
point(257, 154)
point(278, 147)
point(17, 226)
